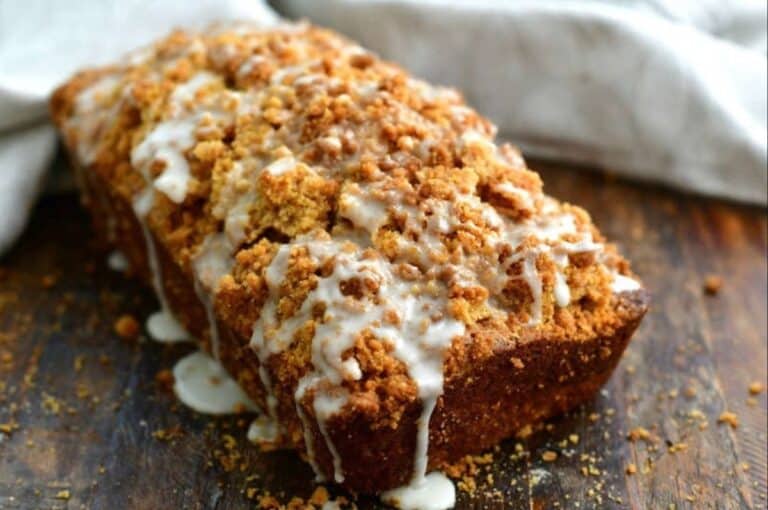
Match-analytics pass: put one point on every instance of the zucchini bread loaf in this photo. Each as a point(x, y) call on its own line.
point(391, 287)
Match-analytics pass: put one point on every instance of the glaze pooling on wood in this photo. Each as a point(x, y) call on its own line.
point(435, 492)
point(202, 384)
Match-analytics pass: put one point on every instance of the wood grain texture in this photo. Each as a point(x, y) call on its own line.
point(78, 406)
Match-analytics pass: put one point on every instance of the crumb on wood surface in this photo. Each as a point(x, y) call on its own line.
point(549, 456)
point(49, 281)
point(756, 388)
point(729, 418)
point(713, 284)
point(164, 380)
point(127, 327)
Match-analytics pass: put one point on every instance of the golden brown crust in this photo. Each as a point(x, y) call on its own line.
point(301, 127)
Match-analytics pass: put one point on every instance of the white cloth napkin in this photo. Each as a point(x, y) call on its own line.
point(671, 91)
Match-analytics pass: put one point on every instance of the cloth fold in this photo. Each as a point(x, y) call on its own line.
point(669, 91)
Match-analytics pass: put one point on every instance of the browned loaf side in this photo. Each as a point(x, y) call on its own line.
point(348, 130)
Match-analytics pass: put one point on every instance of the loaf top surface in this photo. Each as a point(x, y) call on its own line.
point(355, 222)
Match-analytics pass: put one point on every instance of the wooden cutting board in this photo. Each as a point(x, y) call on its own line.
point(85, 424)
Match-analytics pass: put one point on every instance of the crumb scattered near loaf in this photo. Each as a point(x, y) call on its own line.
point(729, 418)
point(713, 284)
point(168, 434)
point(677, 447)
point(320, 499)
point(468, 470)
point(756, 388)
point(9, 427)
point(63, 494)
point(78, 363)
point(320, 496)
point(49, 281)
point(639, 434)
point(127, 327)
point(165, 380)
point(549, 456)
point(50, 404)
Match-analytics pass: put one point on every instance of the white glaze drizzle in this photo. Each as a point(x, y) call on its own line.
point(161, 325)
point(281, 166)
point(263, 430)
point(213, 260)
point(623, 283)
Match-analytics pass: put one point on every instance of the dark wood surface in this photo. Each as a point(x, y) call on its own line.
point(80, 408)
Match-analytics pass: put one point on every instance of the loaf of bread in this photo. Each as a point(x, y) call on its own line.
point(391, 287)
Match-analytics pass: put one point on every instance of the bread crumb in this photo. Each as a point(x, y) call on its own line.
point(168, 434)
point(79, 362)
point(549, 456)
point(631, 469)
point(639, 433)
point(756, 388)
point(48, 281)
point(127, 327)
point(50, 404)
point(524, 432)
point(319, 496)
point(8, 428)
point(712, 284)
point(164, 380)
point(467, 469)
point(730, 418)
point(677, 447)
point(268, 502)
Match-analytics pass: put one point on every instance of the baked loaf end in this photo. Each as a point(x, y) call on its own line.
point(389, 285)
